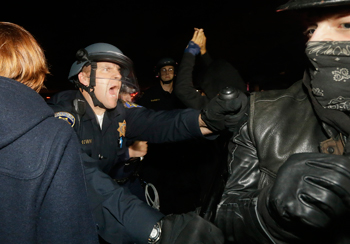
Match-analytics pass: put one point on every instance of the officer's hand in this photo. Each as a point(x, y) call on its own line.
point(138, 149)
point(311, 193)
point(225, 111)
point(189, 228)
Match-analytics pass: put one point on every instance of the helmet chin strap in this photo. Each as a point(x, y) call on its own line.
point(166, 82)
point(91, 88)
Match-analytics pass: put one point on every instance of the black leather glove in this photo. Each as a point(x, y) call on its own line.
point(311, 195)
point(189, 228)
point(233, 121)
point(225, 110)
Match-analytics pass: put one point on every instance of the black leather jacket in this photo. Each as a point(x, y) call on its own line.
point(281, 123)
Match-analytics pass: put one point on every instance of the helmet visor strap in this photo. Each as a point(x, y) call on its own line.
point(91, 88)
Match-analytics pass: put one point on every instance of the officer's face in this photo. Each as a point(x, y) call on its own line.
point(330, 27)
point(108, 83)
point(167, 73)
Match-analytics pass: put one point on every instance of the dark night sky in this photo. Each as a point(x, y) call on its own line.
point(249, 34)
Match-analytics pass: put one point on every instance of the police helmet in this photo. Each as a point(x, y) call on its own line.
point(103, 52)
point(164, 62)
point(302, 4)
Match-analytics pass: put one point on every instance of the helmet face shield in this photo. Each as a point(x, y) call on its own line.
point(103, 52)
point(126, 67)
point(129, 84)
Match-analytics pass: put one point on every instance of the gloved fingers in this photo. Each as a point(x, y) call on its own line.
point(228, 102)
point(234, 122)
point(234, 106)
point(236, 116)
point(238, 104)
point(319, 164)
point(311, 193)
point(332, 182)
point(242, 98)
point(300, 213)
point(331, 172)
point(326, 202)
point(332, 163)
point(225, 107)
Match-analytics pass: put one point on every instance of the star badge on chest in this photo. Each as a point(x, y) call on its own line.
point(122, 128)
point(122, 132)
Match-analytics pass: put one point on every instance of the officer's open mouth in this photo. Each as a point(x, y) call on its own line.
point(113, 91)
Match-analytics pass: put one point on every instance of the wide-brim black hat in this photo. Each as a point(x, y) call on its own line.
point(303, 4)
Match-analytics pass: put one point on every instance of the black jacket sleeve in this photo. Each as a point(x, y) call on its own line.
point(163, 126)
point(119, 214)
point(184, 89)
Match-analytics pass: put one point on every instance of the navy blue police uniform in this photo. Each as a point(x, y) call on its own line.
point(117, 212)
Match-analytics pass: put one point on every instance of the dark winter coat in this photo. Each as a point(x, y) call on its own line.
point(42, 191)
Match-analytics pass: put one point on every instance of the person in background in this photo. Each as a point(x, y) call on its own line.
point(213, 76)
point(43, 193)
point(289, 164)
point(161, 96)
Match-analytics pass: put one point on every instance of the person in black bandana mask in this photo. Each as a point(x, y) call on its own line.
point(289, 165)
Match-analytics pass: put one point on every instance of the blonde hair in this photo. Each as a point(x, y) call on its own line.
point(21, 57)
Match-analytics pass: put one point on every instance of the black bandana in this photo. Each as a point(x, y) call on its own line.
point(328, 82)
point(330, 76)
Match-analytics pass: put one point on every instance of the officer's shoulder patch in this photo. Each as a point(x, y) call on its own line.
point(131, 105)
point(69, 118)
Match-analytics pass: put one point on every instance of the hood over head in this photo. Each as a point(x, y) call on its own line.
point(21, 110)
point(221, 74)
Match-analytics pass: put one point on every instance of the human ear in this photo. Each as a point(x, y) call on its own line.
point(83, 79)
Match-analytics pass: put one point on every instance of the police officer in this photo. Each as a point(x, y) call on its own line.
point(103, 123)
point(161, 95)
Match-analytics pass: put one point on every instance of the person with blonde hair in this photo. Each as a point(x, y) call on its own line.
point(42, 191)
